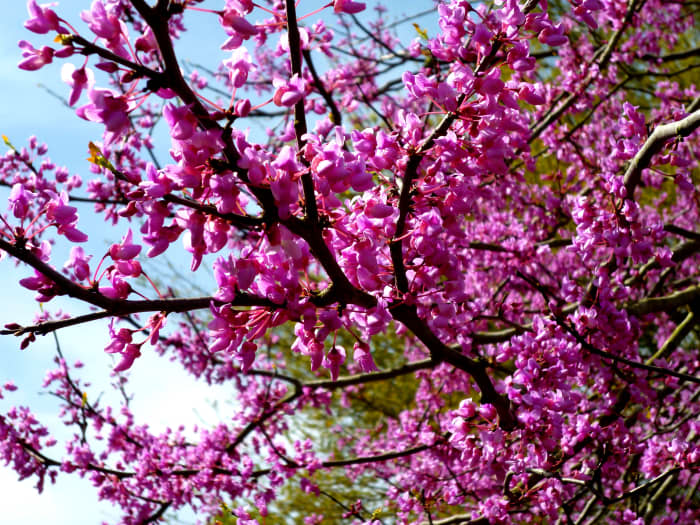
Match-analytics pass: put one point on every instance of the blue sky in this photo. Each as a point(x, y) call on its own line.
point(165, 394)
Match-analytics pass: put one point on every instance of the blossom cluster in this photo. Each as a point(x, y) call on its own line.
point(473, 256)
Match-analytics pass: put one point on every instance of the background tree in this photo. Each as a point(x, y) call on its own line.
point(486, 237)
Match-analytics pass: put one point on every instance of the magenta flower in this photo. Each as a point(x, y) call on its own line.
point(157, 185)
point(77, 79)
point(45, 287)
point(119, 339)
point(120, 289)
point(124, 250)
point(103, 23)
point(128, 268)
point(155, 323)
point(348, 6)
point(287, 160)
point(334, 358)
point(246, 353)
point(64, 217)
point(289, 92)
point(363, 357)
point(237, 27)
point(181, 121)
point(34, 58)
point(242, 6)
point(109, 109)
point(482, 39)
point(20, 200)
point(553, 35)
point(129, 355)
point(78, 263)
point(236, 24)
point(42, 19)
point(239, 65)
point(242, 107)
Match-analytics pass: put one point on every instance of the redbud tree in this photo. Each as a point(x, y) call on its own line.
point(494, 224)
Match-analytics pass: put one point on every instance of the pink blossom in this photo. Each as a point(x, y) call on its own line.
point(64, 217)
point(129, 355)
point(20, 200)
point(35, 58)
point(501, 229)
point(102, 21)
point(78, 263)
point(239, 65)
point(348, 6)
point(181, 121)
point(45, 287)
point(108, 108)
point(363, 357)
point(125, 250)
point(42, 19)
point(289, 92)
point(77, 79)
point(333, 359)
point(237, 27)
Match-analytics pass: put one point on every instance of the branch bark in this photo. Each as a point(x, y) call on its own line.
point(654, 144)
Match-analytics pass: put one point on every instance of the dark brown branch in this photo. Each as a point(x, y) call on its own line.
point(112, 307)
point(267, 414)
point(440, 352)
point(618, 359)
point(677, 230)
point(241, 221)
point(300, 128)
point(157, 515)
point(336, 116)
point(396, 246)
point(671, 57)
point(140, 71)
point(360, 460)
point(361, 379)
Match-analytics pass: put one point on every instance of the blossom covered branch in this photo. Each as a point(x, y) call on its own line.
point(454, 280)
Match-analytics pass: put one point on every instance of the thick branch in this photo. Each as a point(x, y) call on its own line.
point(680, 55)
point(654, 144)
point(442, 353)
point(666, 303)
point(300, 128)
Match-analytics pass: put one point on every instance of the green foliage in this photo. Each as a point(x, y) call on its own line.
point(361, 409)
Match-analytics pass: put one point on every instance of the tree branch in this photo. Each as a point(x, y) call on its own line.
point(666, 303)
point(114, 307)
point(361, 379)
point(654, 144)
point(336, 116)
point(300, 128)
